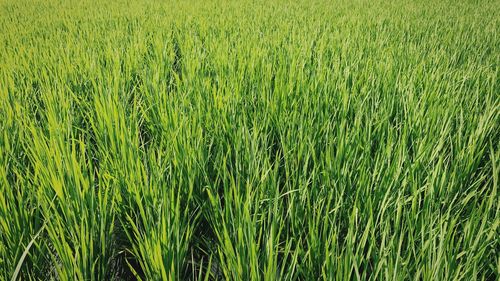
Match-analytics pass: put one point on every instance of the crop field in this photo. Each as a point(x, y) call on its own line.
point(249, 140)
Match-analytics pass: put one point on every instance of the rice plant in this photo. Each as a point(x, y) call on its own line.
point(249, 140)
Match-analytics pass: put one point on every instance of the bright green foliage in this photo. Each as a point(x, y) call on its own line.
point(249, 140)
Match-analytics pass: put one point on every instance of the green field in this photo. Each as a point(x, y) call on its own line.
point(249, 140)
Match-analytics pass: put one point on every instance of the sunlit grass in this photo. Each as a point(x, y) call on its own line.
point(249, 140)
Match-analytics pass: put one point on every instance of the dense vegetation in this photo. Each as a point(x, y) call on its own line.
point(249, 140)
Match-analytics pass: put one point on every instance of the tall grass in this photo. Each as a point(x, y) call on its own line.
point(249, 140)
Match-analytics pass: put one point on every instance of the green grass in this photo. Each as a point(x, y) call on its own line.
point(249, 140)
